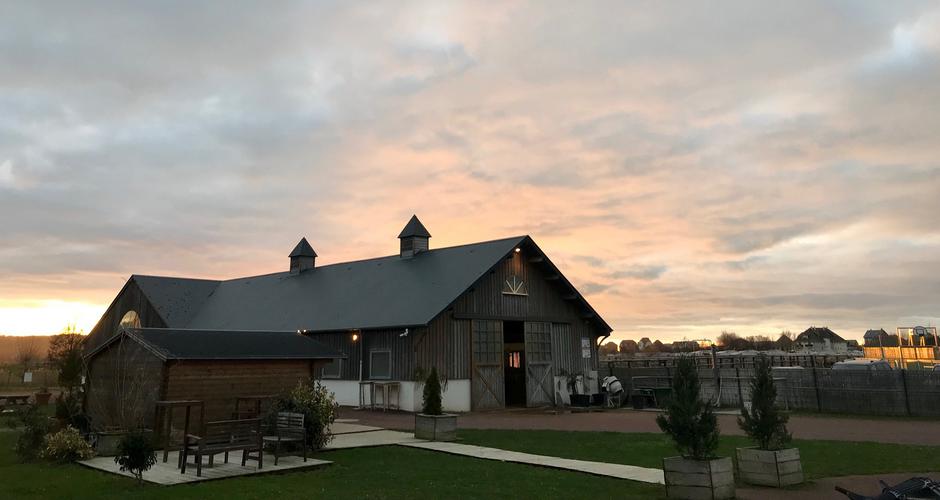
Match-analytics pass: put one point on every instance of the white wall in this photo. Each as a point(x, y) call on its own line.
point(456, 397)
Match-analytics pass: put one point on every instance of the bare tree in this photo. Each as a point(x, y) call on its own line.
point(27, 352)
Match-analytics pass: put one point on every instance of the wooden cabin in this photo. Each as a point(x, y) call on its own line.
point(497, 319)
point(130, 371)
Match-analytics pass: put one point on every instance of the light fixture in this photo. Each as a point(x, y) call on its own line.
point(518, 249)
point(355, 337)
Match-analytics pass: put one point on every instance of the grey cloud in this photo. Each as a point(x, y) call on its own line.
point(640, 272)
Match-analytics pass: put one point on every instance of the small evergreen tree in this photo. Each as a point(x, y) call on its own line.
point(764, 423)
point(688, 420)
point(136, 454)
point(432, 394)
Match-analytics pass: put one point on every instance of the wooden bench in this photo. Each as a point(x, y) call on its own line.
point(224, 436)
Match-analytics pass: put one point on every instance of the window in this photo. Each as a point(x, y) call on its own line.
point(514, 286)
point(332, 370)
point(380, 364)
point(130, 320)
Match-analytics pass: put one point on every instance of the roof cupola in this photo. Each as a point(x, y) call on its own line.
point(302, 258)
point(414, 238)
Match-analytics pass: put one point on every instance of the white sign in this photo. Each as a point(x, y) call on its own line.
point(27, 377)
point(586, 348)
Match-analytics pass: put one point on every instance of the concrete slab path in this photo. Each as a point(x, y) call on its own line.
point(369, 438)
point(167, 473)
point(631, 472)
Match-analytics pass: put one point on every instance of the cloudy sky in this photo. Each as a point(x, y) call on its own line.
point(692, 167)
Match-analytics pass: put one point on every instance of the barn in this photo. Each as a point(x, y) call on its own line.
point(131, 371)
point(497, 319)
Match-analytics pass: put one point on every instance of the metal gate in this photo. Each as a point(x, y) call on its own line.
point(487, 386)
point(539, 381)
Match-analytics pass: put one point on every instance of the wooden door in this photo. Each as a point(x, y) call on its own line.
point(487, 387)
point(538, 359)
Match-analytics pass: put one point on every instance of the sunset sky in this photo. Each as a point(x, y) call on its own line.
point(691, 167)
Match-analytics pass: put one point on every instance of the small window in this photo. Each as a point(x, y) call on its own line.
point(332, 370)
point(380, 364)
point(130, 320)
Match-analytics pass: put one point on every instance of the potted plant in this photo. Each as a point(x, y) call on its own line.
point(432, 423)
point(769, 463)
point(692, 425)
point(42, 396)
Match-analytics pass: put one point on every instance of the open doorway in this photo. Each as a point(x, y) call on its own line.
point(514, 362)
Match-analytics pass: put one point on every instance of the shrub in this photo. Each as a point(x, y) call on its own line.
point(68, 410)
point(318, 405)
point(35, 427)
point(136, 454)
point(432, 394)
point(688, 420)
point(764, 423)
point(66, 446)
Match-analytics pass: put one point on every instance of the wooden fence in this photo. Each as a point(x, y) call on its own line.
point(887, 392)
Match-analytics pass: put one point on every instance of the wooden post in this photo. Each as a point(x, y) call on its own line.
point(737, 375)
point(907, 399)
point(812, 362)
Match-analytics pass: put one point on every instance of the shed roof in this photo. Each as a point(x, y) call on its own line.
point(182, 344)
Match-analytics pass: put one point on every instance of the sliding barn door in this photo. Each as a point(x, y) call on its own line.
point(487, 387)
point(539, 381)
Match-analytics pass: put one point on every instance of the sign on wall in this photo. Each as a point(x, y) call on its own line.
point(27, 377)
point(586, 348)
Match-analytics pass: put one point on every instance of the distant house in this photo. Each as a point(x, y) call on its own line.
point(820, 339)
point(644, 344)
point(685, 346)
point(875, 338)
point(784, 343)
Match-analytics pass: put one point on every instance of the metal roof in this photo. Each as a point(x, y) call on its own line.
point(383, 292)
point(414, 227)
point(303, 249)
point(180, 344)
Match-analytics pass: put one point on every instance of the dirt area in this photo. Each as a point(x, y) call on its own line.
point(881, 430)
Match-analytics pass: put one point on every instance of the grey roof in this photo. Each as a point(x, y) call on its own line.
point(816, 334)
point(875, 333)
point(414, 227)
point(303, 249)
point(229, 345)
point(374, 293)
point(177, 300)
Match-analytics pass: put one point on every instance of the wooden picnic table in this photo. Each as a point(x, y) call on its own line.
point(13, 400)
point(387, 389)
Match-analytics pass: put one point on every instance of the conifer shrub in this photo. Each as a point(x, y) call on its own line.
point(688, 420)
point(432, 394)
point(764, 423)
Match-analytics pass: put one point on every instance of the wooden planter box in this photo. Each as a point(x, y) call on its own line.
point(42, 398)
point(106, 443)
point(770, 468)
point(699, 479)
point(436, 427)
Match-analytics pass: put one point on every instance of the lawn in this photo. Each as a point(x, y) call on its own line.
point(398, 472)
point(820, 458)
point(382, 472)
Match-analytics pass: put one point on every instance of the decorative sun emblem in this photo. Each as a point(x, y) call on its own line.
point(514, 286)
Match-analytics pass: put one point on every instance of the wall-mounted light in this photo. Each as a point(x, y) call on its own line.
point(518, 249)
point(404, 333)
point(355, 337)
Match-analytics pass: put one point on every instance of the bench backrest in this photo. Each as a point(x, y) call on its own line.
point(287, 421)
point(246, 430)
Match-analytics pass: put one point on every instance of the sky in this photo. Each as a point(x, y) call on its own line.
point(692, 167)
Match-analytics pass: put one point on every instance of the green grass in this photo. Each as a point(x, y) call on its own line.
point(382, 472)
point(820, 458)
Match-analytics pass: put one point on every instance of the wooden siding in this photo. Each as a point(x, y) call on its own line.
point(401, 348)
point(445, 345)
point(124, 381)
point(131, 298)
point(218, 383)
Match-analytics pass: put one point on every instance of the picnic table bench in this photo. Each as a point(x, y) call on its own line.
point(224, 436)
point(13, 400)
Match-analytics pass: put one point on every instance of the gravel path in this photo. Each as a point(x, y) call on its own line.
point(881, 430)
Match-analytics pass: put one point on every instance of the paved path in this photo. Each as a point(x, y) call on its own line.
point(631, 472)
point(824, 489)
point(802, 426)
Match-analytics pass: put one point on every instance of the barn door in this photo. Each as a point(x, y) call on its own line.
point(539, 380)
point(487, 390)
